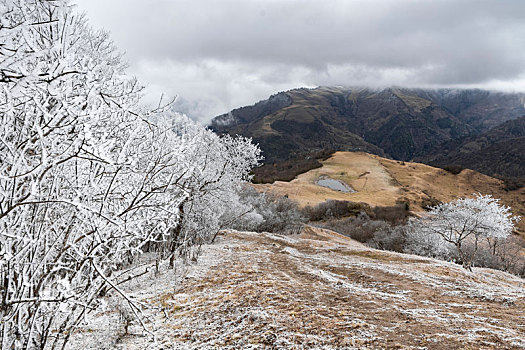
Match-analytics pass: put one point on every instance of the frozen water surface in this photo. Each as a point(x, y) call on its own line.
point(336, 185)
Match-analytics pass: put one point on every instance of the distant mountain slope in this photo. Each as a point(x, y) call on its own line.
point(498, 152)
point(300, 121)
point(481, 109)
point(396, 122)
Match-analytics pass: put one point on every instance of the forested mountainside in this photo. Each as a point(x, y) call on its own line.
point(497, 152)
point(396, 122)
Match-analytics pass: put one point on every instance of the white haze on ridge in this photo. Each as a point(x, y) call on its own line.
point(219, 55)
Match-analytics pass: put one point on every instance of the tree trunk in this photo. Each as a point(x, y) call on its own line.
point(175, 236)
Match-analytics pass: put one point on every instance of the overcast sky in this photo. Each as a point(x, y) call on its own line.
point(219, 55)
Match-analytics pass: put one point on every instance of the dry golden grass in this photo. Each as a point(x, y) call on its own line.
point(383, 182)
point(360, 170)
point(318, 290)
point(415, 102)
point(323, 290)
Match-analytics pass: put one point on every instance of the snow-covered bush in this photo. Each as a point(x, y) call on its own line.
point(456, 229)
point(421, 240)
point(217, 167)
point(501, 254)
point(262, 211)
point(88, 176)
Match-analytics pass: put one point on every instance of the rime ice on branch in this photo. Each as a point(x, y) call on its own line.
point(447, 228)
point(88, 176)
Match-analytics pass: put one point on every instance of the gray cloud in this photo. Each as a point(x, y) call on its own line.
point(222, 54)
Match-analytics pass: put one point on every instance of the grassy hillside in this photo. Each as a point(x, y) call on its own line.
point(385, 182)
point(318, 290)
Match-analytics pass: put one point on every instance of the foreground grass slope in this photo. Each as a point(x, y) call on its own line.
point(324, 291)
point(385, 182)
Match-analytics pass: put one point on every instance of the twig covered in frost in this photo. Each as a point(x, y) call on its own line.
point(89, 177)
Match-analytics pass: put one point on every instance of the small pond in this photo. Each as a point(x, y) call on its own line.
point(333, 184)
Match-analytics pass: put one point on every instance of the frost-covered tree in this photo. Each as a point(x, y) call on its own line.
point(455, 223)
point(264, 211)
point(88, 176)
point(421, 240)
point(219, 165)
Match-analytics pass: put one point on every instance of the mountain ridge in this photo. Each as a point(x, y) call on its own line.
point(399, 123)
point(315, 290)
